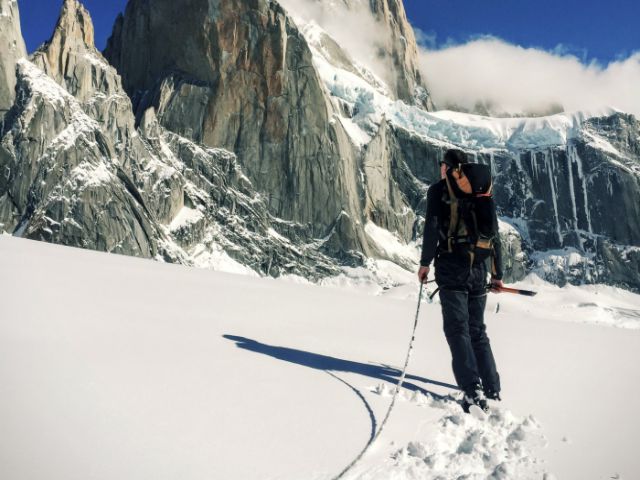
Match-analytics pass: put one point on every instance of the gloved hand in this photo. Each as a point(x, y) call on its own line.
point(422, 274)
point(496, 285)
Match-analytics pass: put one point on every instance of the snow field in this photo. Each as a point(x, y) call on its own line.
point(115, 367)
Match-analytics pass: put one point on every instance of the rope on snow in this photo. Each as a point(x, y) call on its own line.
point(395, 395)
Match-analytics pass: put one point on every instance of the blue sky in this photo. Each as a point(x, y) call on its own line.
point(39, 18)
point(590, 29)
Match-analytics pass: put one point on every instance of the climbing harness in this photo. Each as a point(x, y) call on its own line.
point(395, 395)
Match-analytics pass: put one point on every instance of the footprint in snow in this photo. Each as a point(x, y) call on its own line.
point(461, 446)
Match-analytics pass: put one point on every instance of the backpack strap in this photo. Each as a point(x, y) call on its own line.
point(454, 219)
point(458, 230)
point(494, 270)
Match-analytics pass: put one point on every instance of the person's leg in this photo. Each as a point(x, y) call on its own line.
point(456, 328)
point(478, 332)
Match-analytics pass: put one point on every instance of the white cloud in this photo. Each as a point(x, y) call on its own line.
point(487, 70)
point(516, 79)
point(351, 25)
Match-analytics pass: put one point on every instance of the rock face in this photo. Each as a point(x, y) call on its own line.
point(78, 172)
point(60, 183)
point(575, 205)
point(12, 48)
point(239, 75)
point(73, 184)
point(578, 186)
point(71, 59)
point(70, 56)
point(397, 43)
point(571, 208)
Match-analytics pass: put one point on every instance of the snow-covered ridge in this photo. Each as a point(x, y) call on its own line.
point(365, 94)
point(162, 168)
point(89, 173)
point(41, 86)
point(479, 132)
point(39, 82)
point(185, 218)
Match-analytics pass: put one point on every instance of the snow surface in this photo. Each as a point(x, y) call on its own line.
point(116, 367)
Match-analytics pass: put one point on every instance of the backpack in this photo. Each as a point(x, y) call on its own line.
point(472, 210)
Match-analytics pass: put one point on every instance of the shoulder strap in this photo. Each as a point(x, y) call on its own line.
point(454, 218)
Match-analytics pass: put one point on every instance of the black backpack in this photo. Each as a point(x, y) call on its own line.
point(472, 210)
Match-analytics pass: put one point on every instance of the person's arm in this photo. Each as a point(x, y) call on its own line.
point(430, 234)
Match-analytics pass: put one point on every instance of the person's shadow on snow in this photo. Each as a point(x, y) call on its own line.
point(332, 364)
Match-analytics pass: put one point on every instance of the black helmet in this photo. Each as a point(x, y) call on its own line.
point(454, 157)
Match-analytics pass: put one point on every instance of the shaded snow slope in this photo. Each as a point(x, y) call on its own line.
point(113, 367)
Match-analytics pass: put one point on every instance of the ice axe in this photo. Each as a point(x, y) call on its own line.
point(490, 287)
point(516, 291)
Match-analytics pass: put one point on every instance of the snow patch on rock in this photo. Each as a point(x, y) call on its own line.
point(213, 257)
point(88, 175)
point(185, 218)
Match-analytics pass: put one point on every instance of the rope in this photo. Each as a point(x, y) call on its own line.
point(395, 395)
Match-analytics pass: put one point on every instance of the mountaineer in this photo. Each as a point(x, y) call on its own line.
point(461, 237)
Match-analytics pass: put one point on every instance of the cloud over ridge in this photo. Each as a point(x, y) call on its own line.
point(517, 80)
point(502, 77)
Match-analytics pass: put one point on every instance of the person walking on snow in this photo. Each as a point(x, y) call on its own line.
point(460, 253)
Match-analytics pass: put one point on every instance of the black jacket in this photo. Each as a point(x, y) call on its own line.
point(438, 213)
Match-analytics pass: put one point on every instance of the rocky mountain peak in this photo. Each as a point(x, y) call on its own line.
point(74, 25)
point(400, 46)
point(12, 48)
point(71, 58)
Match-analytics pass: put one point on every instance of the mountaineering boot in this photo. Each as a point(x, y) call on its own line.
point(474, 396)
point(493, 395)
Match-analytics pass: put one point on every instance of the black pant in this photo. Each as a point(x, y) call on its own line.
point(463, 298)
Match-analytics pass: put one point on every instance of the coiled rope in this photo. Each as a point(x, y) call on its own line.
point(395, 395)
